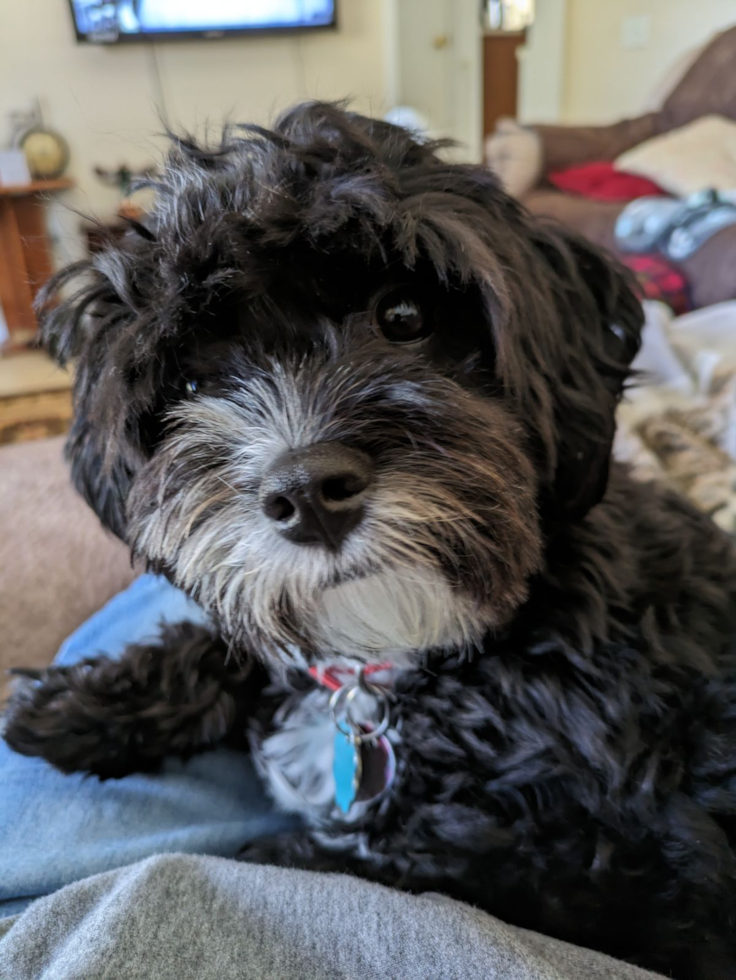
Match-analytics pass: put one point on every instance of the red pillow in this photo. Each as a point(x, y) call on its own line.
point(602, 182)
point(660, 279)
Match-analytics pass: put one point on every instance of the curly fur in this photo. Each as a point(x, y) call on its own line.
point(567, 708)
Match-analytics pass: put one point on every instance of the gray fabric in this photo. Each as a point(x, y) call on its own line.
point(181, 917)
point(674, 228)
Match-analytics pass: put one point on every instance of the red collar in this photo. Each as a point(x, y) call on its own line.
point(337, 676)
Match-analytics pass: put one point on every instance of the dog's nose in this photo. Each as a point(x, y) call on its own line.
point(317, 495)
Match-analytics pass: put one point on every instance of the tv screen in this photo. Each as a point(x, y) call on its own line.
point(111, 21)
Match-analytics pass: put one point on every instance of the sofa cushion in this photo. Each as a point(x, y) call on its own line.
point(692, 158)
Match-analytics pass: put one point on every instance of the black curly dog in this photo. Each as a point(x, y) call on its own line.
point(359, 404)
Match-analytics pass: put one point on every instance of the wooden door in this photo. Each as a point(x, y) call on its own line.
point(500, 77)
point(425, 61)
point(438, 67)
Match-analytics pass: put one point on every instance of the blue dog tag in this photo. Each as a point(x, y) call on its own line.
point(346, 769)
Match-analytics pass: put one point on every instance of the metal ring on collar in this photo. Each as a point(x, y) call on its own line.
point(344, 696)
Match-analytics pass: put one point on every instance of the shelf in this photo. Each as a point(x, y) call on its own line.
point(36, 187)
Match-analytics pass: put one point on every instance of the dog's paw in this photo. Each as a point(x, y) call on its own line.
point(54, 715)
point(283, 851)
point(292, 850)
point(115, 716)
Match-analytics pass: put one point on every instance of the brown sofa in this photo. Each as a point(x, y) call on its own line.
point(707, 87)
point(57, 564)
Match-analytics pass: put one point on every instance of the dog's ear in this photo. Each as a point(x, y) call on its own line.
point(588, 347)
point(86, 312)
point(564, 318)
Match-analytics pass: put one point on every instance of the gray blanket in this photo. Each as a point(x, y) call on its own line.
point(177, 917)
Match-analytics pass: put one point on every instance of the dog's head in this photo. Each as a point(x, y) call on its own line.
point(341, 390)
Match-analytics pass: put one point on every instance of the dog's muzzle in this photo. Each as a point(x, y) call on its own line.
point(317, 495)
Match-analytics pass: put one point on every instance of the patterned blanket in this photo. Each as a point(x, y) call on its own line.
point(678, 423)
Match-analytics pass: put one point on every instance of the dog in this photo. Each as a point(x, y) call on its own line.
point(359, 404)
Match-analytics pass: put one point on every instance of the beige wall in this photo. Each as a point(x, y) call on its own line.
point(605, 81)
point(103, 100)
point(542, 64)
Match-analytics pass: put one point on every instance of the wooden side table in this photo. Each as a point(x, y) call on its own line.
point(25, 254)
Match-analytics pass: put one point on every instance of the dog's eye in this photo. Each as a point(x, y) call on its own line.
point(400, 318)
point(191, 387)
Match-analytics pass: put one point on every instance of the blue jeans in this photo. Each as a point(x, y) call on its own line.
point(56, 829)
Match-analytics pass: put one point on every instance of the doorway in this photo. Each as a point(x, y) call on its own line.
point(501, 67)
point(438, 68)
point(461, 74)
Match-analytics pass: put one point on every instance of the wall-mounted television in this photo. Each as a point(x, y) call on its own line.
point(115, 21)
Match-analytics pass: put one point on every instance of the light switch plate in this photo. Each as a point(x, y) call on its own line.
point(635, 31)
